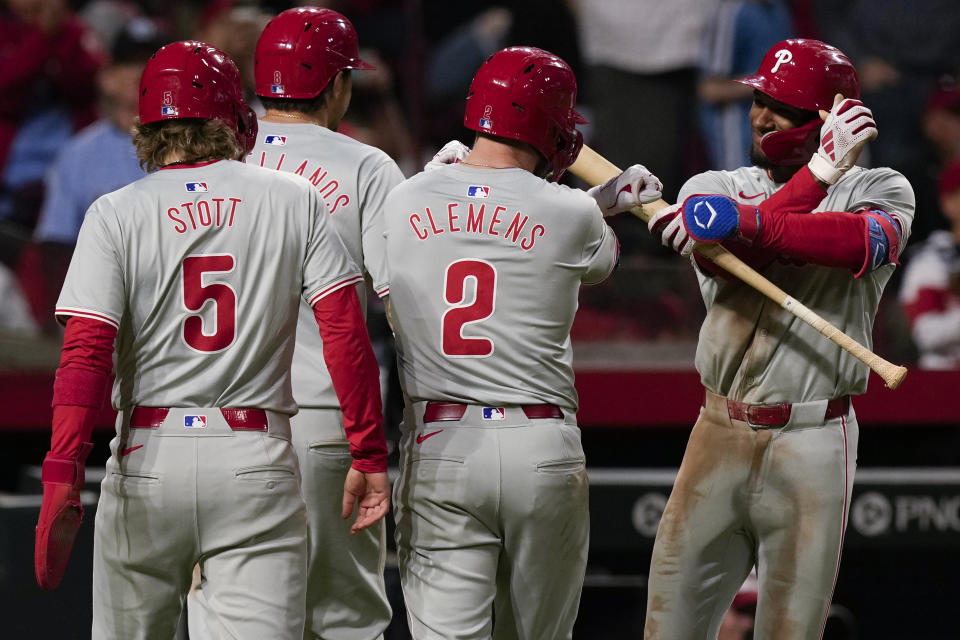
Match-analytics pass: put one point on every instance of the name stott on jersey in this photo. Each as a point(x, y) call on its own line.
point(353, 180)
point(751, 349)
point(485, 268)
point(214, 259)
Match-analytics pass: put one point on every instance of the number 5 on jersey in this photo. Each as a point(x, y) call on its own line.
point(195, 296)
point(461, 278)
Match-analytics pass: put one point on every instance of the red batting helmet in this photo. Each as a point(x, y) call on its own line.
point(806, 74)
point(528, 94)
point(301, 50)
point(190, 79)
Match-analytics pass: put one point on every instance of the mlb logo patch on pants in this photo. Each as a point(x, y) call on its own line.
point(493, 413)
point(195, 422)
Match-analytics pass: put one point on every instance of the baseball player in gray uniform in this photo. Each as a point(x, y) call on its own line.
point(486, 259)
point(197, 271)
point(769, 466)
point(303, 62)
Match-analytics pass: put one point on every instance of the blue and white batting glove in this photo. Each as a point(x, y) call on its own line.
point(634, 186)
point(451, 153)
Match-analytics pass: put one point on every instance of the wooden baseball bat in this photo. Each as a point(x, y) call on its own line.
point(594, 169)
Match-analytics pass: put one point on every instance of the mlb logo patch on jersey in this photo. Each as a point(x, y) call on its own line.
point(168, 111)
point(196, 186)
point(195, 422)
point(276, 88)
point(277, 140)
point(476, 191)
point(493, 413)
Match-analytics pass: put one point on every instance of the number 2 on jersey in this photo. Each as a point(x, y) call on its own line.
point(195, 296)
point(459, 278)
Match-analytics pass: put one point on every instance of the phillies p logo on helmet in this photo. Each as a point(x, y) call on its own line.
point(783, 57)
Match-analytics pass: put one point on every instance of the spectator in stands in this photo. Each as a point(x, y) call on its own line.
point(100, 158)
point(97, 160)
point(48, 65)
point(941, 122)
point(902, 49)
point(930, 291)
point(736, 40)
point(643, 60)
point(941, 128)
point(376, 116)
point(235, 31)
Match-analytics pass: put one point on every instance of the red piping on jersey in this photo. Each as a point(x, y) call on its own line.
point(355, 375)
point(191, 166)
point(334, 287)
point(70, 312)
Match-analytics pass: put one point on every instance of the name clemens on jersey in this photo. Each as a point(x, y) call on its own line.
point(328, 188)
point(215, 212)
point(481, 219)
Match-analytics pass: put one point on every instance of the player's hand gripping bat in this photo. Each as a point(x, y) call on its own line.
point(595, 169)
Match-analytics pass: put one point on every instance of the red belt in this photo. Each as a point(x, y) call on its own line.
point(237, 419)
point(444, 411)
point(777, 415)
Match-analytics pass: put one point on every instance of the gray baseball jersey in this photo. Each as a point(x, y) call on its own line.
point(768, 469)
point(202, 269)
point(753, 350)
point(353, 180)
point(190, 262)
point(485, 268)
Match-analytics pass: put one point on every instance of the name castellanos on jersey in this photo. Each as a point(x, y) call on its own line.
point(478, 218)
point(327, 186)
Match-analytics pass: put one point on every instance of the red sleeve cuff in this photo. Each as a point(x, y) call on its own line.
point(375, 464)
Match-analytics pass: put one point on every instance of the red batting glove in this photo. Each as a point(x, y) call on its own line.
point(60, 515)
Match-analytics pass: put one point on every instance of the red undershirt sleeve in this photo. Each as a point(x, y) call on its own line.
point(82, 383)
point(785, 225)
point(355, 375)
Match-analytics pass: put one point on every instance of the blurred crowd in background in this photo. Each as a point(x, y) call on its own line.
point(655, 81)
